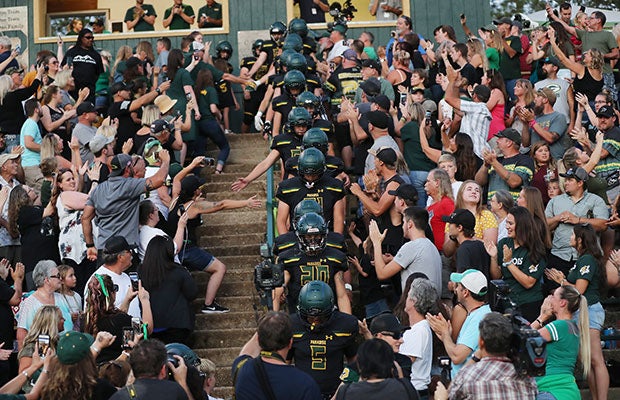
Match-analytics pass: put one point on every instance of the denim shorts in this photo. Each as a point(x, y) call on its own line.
point(596, 314)
point(195, 258)
point(375, 308)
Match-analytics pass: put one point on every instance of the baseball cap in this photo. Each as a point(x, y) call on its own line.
point(8, 156)
point(371, 86)
point(190, 183)
point(133, 62)
point(174, 169)
point(350, 54)
point(159, 126)
point(385, 154)
point(406, 192)
point(461, 217)
point(606, 111)
point(382, 101)
point(340, 27)
point(472, 279)
point(547, 93)
point(387, 322)
point(98, 142)
point(552, 60)
point(13, 70)
point(417, 89)
point(118, 86)
point(511, 134)
point(378, 119)
point(576, 173)
point(85, 107)
point(503, 20)
point(73, 347)
point(117, 244)
point(98, 22)
point(489, 28)
point(370, 63)
point(119, 163)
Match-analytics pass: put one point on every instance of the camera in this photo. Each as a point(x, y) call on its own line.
point(393, 34)
point(342, 12)
point(267, 276)
point(208, 161)
point(528, 349)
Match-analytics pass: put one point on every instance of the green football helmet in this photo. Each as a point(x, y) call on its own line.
point(293, 42)
point(258, 44)
point(311, 162)
point(311, 232)
point(307, 99)
point(297, 62)
point(224, 45)
point(304, 207)
point(294, 80)
point(316, 138)
point(277, 28)
point(316, 303)
point(298, 26)
point(299, 116)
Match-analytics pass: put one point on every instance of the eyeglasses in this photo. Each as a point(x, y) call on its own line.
point(393, 335)
point(57, 276)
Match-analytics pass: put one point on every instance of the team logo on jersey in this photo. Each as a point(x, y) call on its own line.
point(533, 268)
point(584, 270)
point(329, 337)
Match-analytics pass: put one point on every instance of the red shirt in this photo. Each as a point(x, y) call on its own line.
point(443, 207)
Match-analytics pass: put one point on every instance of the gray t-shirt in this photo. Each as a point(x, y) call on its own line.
point(553, 122)
point(383, 15)
point(116, 204)
point(420, 255)
point(560, 88)
point(84, 134)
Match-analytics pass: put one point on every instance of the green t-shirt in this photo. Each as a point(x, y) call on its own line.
point(493, 57)
point(562, 351)
point(587, 268)
point(511, 67)
point(177, 21)
point(142, 25)
point(214, 12)
point(603, 41)
point(206, 97)
point(176, 92)
point(414, 156)
point(217, 74)
point(520, 257)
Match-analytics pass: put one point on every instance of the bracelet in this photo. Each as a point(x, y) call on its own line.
point(348, 287)
point(158, 90)
point(532, 123)
point(540, 322)
point(506, 264)
point(95, 349)
point(90, 245)
point(125, 353)
point(44, 371)
point(474, 358)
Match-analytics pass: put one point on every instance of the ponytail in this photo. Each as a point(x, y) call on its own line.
point(584, 335)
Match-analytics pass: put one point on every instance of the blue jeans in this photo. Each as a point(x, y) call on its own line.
point(418, 179)
point(545, 396)
point(510, 88)
point(209, 128)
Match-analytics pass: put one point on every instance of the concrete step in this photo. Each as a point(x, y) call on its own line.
point(255, 156)
point(612, 354)
point(234, 273)
point(220, 356)
point(241, 250)
point(218, 338)
point(227, 229)
point(236, 139)
point(234, 303)
point(232, 172)
point(242, 261)
point(238, 239)
point(231, 320)
point(242, 215)
point(223, 392)
point(230, 287)
point(223, 377)
point(258, 186)
point(612, 318)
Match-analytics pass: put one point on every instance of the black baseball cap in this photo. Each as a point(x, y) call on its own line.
point(503, 20)
point(511, 134)
point(606, 111)
point(85, 107)
point(370, 63)
point(385, 154)
point(576, 173)
point(378, 119)
point(405, 192)
point(119, 163)
point(382, 101)
point(371, 86)
point(387, 322)
point(117, 244)
point(190, 183)
point(118, 86)
point(461, 217)
point(159, 126)
point(552, 60)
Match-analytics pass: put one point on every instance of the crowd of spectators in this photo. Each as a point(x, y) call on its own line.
point(496, 158)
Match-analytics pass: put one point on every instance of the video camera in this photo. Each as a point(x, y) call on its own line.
point(342, 13)
point(528, 349)
point(267, 276)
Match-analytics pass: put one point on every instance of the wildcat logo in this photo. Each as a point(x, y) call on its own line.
point(584, 270)
point(533, 268)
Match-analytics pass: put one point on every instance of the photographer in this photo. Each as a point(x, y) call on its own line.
point(261, 364)
point(150, 367)
point(492, 375)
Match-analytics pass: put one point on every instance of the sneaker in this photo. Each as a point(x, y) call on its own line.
point(214, 308)
point(227, 131)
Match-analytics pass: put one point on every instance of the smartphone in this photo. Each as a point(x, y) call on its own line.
point(18, 49)
point(44, 344)
point(427, 117)
point(127, 336)
point(403, 98)
point(134, 280)
point(462, 16)
point(188, 96)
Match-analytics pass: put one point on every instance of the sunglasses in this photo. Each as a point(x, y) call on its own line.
point(393, 335)
point(89, 37)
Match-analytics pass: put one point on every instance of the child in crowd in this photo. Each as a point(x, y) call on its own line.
point(68, 282)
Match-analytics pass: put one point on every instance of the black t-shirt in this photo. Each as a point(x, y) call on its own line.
point(468, 71)
point(87, 66)
point(7, 333)
point(29, 222)
point(326, 191)
point(320, 351)
point(153, 389)
point(303, 269)
point(113, 324)
point(127, 128)
point(369, 286)
point(472, 254)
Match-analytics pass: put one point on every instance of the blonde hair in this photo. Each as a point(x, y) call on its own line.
point(475, 46)
point(6, 83)
point(460, 203)
point(45, 322)
point(122, 54)
point(62, 78)
point(577, 302)
point(445, 187)
point(48, 146)
point(107, 130)
point(150, 114)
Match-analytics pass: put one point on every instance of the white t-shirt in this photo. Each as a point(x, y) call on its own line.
point(146, 234)
point(418, 343)
point(124, 283)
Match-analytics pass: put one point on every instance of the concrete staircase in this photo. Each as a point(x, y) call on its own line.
point(234, 238)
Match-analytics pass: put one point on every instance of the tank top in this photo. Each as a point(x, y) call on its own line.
point(61, 131)
point(497, 121)
point(406, 83)
point(587, 85)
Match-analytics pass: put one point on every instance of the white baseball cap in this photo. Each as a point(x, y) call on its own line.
point(472, 279)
